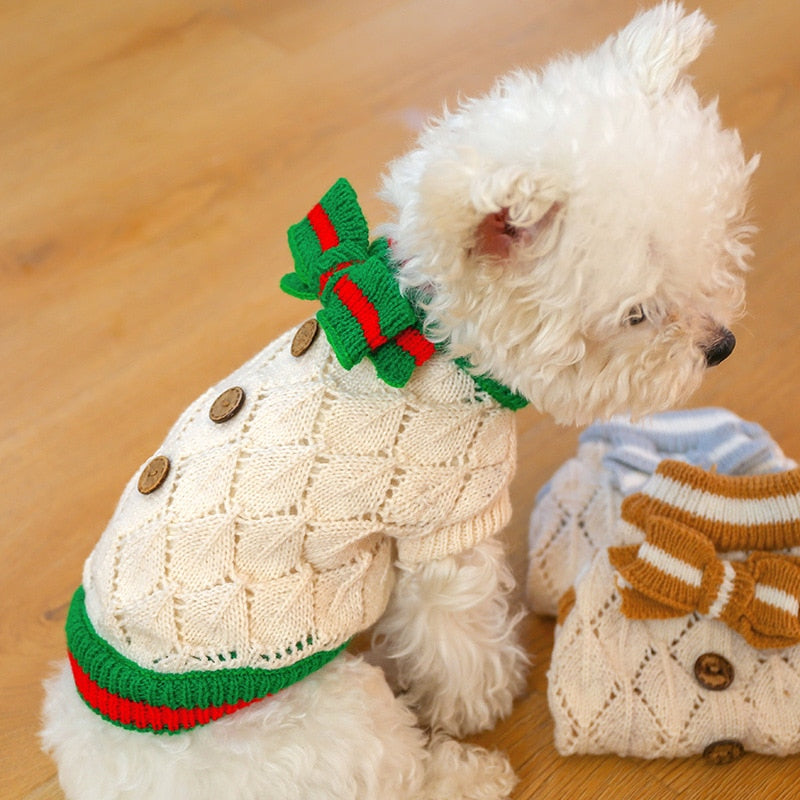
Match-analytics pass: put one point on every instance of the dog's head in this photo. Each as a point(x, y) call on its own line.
point(580, 232)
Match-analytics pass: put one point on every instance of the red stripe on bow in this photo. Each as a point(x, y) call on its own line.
point(324, 229)
point(362, 309)
point(326, 276)
point(416, 345)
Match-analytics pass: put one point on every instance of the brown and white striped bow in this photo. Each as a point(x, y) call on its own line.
point(676, 571)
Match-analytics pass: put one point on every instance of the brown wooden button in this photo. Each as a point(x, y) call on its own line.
point(153, 474)
point(304, 337)
point(724, 751)
point(713, 672)
point(227, 405)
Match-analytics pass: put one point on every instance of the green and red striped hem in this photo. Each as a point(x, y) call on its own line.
point(134, 697)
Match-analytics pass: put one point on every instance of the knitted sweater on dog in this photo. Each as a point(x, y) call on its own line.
point(688, 634)
point(255, 545)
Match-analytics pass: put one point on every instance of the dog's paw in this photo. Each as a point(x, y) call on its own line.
point(458, 771)
point(474, 695)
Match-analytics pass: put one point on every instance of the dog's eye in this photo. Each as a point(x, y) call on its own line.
point(635, 316)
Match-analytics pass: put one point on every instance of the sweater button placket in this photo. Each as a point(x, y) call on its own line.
point(153, 475)
point(713, 672)
point(227, 405)
point(725, 751)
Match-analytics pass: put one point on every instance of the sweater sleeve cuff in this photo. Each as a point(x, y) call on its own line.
point(456, 538)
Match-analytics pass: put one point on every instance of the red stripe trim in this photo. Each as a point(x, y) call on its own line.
point(325, 277)
point(362, 309)
point(323, 228)
point(416, 345)
point(142, 715)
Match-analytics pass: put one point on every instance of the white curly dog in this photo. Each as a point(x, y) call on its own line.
point(576, 238)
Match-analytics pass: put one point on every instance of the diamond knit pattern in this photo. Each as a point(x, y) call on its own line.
point(275, 533)
point(629, 686)
point(574, 518)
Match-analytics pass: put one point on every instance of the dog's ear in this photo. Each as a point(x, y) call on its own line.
point(499, 232)
point(659, 44)
point(488, 209)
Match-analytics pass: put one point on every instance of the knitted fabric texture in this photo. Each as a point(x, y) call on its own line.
point(711, 438)
point(363, 311)
point(686, 515)
point(272, 539)
point(140, 699)
point(727, 548)
point(576, 512)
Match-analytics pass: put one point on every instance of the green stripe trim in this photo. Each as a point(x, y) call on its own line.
point(196, 689)
point(498, 391)
point(341, 205)
point(393, 365)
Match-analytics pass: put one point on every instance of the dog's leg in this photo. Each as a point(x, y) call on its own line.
point(448, 640)
point(339, 734)
point(458, 771)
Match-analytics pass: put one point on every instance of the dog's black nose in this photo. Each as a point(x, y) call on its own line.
point(720, 349)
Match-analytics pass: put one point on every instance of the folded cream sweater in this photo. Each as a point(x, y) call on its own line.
point(684, 638)
point(576, 511)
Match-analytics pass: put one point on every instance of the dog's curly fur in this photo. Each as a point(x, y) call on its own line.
point(579, 234)
point(616, 197)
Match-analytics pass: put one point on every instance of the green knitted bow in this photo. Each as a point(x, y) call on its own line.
point(363, 312)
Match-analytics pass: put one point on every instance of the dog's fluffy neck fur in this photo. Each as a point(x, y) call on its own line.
point(487, 383)
point(535, 246)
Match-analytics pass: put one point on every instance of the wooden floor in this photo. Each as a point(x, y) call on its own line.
point(152, 155)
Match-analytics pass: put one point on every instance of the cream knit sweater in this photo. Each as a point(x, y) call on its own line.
point(275, 533)
point(682, 648)
point(576, 511)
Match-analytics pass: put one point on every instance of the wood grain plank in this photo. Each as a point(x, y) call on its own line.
point(152, 155)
